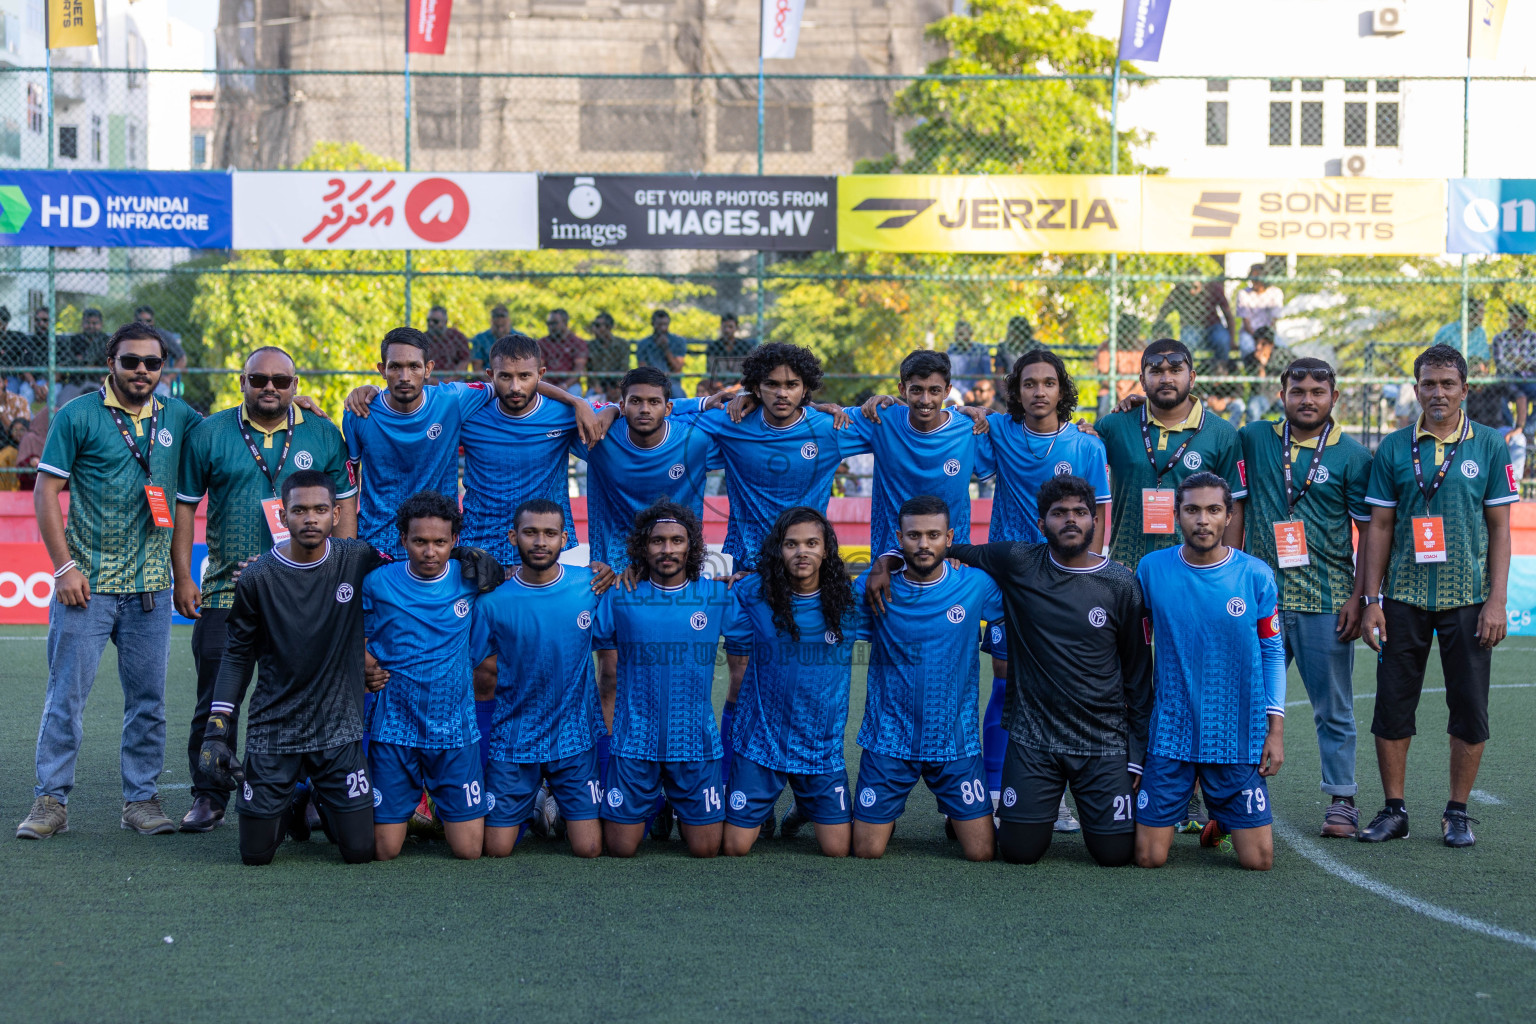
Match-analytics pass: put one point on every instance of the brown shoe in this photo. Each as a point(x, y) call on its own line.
point(203, 817)
point(1341, 820)
point(147, 817)
point(47, 819)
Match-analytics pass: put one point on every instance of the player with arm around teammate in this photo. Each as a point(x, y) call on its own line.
point(1218, 714)
point(666, 632)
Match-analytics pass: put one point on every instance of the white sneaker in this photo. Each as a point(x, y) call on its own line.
point(1064, 820)
point(548, 823)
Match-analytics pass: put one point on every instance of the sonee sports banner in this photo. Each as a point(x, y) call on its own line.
point(708, 211)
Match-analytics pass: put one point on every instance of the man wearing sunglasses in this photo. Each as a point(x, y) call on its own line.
point(240, 458)
point(119, 450)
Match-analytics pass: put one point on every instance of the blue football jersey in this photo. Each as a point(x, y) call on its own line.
point(419, 629)
point(1025, 461)
point(924, 661)
point(667, 640)
point(510, 459)
point(546, 695)
point(909, 462)
point(793, 704)
point(769, 469)
point(399, 454)
point(622, 479)
point(1218, 666)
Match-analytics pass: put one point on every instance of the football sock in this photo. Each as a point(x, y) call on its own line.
point(259, 838)
point(994, 738)
point(1452, 805)
point(483, 709)
point(602, 759)
point(1397, 805)
point(727, 716)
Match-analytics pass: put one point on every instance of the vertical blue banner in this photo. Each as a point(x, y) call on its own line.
point(1142, 24)
point(1487, 215)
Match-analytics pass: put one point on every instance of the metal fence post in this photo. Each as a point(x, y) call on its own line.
point(408, 149)
point(758, 261)
point(53, 346)
point(1466, 110)
point(1113, 384)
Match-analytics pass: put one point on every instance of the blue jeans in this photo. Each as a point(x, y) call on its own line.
point(1215, 339)
point(76, 639)
point(1327, 670)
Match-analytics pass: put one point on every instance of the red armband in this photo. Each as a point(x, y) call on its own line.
point(1269, 625)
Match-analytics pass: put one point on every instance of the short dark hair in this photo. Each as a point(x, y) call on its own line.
point(438, 309)
point(925, 363)
point(93, 311)
point(499, 311)
point(763, 359)
point(516, 345)
point(1265, 333)
point(134, 331)
point(647, 375)
point(428, 505)
point(1066, 405)
point(1204, 478)
point(143, 309)
point(1065, 486)
point(604, 316)
point(562, 312)
point(660, 312)
point(923, 505)
point(640, 536)
point(1307, 366)
point(403, 336)
point(1440, 355)
point(1166, 346)
point(729, 317)
point(308, 478)
point(538, 507)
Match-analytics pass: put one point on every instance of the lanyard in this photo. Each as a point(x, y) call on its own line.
point(1285, 461)
point(122, 428)
point(1433, 486)
point(261, 463)
point(1146, 439)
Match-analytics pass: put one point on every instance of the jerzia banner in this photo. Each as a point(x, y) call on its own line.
point(656, 211)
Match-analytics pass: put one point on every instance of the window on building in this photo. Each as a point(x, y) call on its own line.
point(200, 150)
point(69, 141)
point(35, 108)
point(1386, 124)
point(1311, 85)
point(1215, 85)
point(138, 57)
point(96, 138)
point(37, 17)
point(447, 113)
point(1279, 85)
point(1356, 123)
point(789, 117)
point(1311, 124)
point(1354, 85)
point(637, 115)
point(1386, 85)
point(1279, 124)
point(1216, 122)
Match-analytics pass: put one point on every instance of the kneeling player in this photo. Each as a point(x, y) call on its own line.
point(1219, 711)
point(797, 623)
point(920, 717)
point(295, 614)
point(539, 629)
point(666, 632)
point(417, 616)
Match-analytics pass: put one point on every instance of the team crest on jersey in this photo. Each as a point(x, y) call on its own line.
point(553, 433)
point(1468, 468)
point(952, 467)
point(1141, 800)
point(378, 797)
point(866, 797)
point(677, 471)
point(461, 607)
point(434, 432)
point(490, 801)
point(738, 800)
point(1236, 607)
point(303, 460)
point(808, 450)
point(248, 792)
point(1097, 617)
point(830, 637)
point(1322, 475)
point(615, 798)
point(1063, 468)
point(698, 620)
point(956, 613)
point(584, 619)
point(344, 593)
point(165, 438)
point(1191, 461)
point(1010, 797)
point(997, 634)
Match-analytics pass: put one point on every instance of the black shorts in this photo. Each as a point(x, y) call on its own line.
point(338, 776)
point(1400, 675)
point(1034, 780)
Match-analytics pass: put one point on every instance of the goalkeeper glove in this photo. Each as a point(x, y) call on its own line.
point(216, 760)
point(480, 570)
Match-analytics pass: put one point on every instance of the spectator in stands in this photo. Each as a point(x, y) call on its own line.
point(447, 347)
point(607, 359)
point(176, 355)
point(480, 344)
point(12, 406)
point(29, 449)
point(565, 352)
point(664, 350)
point(1478, 353)
point(723, 358)
point(1514, 355)
point(983, 395)
point(1267, 361)
point(87, 348)
point(1128, 345)
point(10, 442)
point(967, 358)
point(1205, 318)
point(1018, 339)
point(1258, 306)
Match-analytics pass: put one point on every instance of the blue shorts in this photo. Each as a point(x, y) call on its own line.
point(511, 788)
point(693, 789)
point(401, 773)
point(1235, 794)
point(754, 789)
point(960, 786)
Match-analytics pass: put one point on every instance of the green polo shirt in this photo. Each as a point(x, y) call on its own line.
point(1336, 496)
point(1480, 476)
point(110, 532)
point(216, 461)
point(1213, 447)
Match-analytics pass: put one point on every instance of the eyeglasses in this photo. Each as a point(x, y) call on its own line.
point(133, 362)
point(259, 381)
point(1173, 360)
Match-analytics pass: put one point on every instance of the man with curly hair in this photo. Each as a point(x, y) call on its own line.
point(666, 631)
point(793, 639)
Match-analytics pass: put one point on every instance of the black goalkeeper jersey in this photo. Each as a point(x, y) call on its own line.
point(1079, 664)
point(302, 625)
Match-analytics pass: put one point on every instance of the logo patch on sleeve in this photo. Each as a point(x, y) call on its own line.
point(1514, 482)
point(1242, 471)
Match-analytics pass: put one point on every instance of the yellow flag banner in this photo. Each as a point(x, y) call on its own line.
point(1487, 27)
point(71, 23)
point(988, 213)
point(1306, 216)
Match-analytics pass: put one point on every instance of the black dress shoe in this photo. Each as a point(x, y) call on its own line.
point(203, 817)
point(1388, 824)
point(1457, 828)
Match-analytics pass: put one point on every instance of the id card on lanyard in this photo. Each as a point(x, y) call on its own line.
point(1158, 514)
point(1291, 534)
point(1429, 530)
point(271, 508)
point(159, 506)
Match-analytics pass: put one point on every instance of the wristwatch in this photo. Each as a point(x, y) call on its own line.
point(1366, 600)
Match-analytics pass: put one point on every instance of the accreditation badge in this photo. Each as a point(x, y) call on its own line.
point(1291, 544)
point(1428, 539)
point(271, 510)
point(1157, 510)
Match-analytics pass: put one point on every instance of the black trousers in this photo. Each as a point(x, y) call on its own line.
point(1400, 674)
point(208, 635)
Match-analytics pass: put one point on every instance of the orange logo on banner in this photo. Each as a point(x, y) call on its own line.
point(1291, 545)
point(1428, 539)
point(1157, 513)
point(26, 584)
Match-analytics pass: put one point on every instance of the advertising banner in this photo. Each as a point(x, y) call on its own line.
point(669, 211)
point(1141, 29)
point(1487, 215)
point(26, 583)
point(115, 209)
point(780, 30)
point(988, 213)
point(383, 210)
point(1309, 216)
point(71, 23)
point(428, 26)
